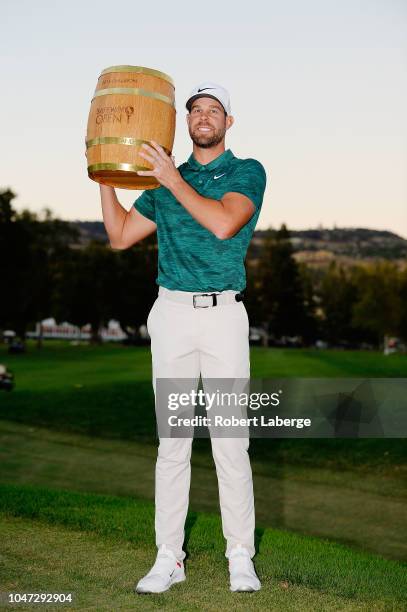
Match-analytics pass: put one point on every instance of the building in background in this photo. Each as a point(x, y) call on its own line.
point(49, 328)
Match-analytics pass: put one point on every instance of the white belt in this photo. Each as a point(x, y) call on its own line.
point(201, 300)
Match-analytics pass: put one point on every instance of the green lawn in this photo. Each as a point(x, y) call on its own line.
point(123, 364)
point(361, 509)
point(80, 424)
point(106, 392)
point(98, 546)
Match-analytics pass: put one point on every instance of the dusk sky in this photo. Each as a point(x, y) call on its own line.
point(318, 91)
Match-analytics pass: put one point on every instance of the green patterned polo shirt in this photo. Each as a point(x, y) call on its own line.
point(190, 257)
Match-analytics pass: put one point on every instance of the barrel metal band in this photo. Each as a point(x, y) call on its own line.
point(123, 167)
point(122, 140)
point(133, 91)
point(139, 69)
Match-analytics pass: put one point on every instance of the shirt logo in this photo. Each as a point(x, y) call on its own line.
point(219, 175)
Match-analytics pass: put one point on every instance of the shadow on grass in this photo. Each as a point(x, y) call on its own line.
point(126, 411)
point(296, 559)
point(189, 525)
point(258, 534)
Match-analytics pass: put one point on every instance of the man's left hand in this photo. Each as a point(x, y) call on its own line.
point(164, 169)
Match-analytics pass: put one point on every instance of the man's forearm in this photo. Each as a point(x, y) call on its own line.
point(221, 217)
point(208, 212)
point(114, 214)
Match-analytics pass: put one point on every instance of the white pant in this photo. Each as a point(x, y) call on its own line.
point(213, 342)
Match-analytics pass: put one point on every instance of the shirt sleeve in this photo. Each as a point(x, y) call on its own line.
point(249, 179)
point(145, 204)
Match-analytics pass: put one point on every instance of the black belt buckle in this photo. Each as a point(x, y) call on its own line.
point(212, 295)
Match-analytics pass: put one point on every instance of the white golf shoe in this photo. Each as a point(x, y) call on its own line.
point(243, 576)
point(166, 571)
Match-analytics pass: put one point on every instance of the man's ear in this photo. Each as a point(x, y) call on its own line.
point(188, 118)
point(229, 121)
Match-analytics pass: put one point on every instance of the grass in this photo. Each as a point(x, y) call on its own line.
point(123, 364)
point(106, 392)
point(80, 425)
point(365, 510)
point(313, 363)
point(98, 546)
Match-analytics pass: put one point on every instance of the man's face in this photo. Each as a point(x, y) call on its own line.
point(207, 122)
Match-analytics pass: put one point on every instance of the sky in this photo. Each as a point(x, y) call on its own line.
point(318, 92)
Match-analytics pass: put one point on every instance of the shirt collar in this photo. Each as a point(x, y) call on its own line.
point(223, 158)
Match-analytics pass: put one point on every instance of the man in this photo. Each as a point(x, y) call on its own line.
point(204, 212)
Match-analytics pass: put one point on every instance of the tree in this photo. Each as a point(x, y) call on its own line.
point(284, 308)
point(378, 308)
point(136, 286)
point(338, 294)
point(28, 246)
point(402, 292)
point(86, 286)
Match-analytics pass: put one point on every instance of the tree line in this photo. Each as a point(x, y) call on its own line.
point(348, 306)
point(45, 272)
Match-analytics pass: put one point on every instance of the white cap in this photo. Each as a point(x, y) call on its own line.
point(210, 90)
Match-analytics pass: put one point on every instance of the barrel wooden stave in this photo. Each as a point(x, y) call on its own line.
point(131, 116)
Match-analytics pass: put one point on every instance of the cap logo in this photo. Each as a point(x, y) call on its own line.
point(199, 90)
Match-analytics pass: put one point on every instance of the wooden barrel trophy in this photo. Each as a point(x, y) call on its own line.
point(131, 106)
